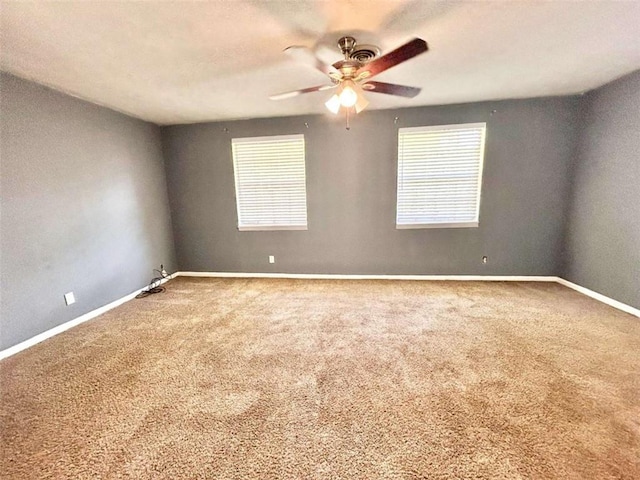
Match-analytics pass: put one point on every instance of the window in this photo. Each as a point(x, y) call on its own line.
point(270, 180)
point(439, 176)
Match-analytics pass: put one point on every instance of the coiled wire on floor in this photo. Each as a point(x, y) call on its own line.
point(155, 285)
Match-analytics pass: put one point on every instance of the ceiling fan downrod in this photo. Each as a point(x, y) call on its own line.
point(346, 45)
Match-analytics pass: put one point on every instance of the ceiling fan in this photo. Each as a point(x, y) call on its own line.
point(352, 75)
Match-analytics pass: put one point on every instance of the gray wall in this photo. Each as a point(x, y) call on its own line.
point(84, 207)
point(351, 191)
point(603, 229)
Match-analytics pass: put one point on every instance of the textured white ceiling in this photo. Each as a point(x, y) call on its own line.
point(184, 62)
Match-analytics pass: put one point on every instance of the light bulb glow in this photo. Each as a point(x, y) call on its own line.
point(348, 96)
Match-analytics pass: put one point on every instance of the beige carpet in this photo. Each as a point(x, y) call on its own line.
point(300, 379)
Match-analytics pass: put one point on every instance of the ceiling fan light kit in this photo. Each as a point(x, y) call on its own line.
point(351, 75)
point(349, 95)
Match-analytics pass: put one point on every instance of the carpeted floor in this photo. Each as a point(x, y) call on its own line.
point(301, 379)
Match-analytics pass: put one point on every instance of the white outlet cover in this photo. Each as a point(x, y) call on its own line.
point(69, 298)
point(272, 259)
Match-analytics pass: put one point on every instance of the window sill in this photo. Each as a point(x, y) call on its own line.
point(268, 228)
point(409, 226)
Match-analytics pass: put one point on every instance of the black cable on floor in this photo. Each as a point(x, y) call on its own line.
point(155, 284)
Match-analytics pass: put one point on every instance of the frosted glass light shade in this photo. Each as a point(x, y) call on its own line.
point(333, 104)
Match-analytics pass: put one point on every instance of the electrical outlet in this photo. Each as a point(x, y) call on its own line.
point(272, 259)
point(69, 298)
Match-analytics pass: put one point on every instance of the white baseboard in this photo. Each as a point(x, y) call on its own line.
point(602, 298)
point(318, 276)
point(331, 276)
point(72, 323)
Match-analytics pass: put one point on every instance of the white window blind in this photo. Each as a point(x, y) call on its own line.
point(270, 182)
point(439, 176)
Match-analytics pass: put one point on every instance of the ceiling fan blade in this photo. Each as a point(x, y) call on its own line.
point(392, 89)
point(395, 57)
point(306, 55)
point(295, 93)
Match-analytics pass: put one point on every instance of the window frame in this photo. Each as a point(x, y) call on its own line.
point(427, 128)
point(269, 227)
